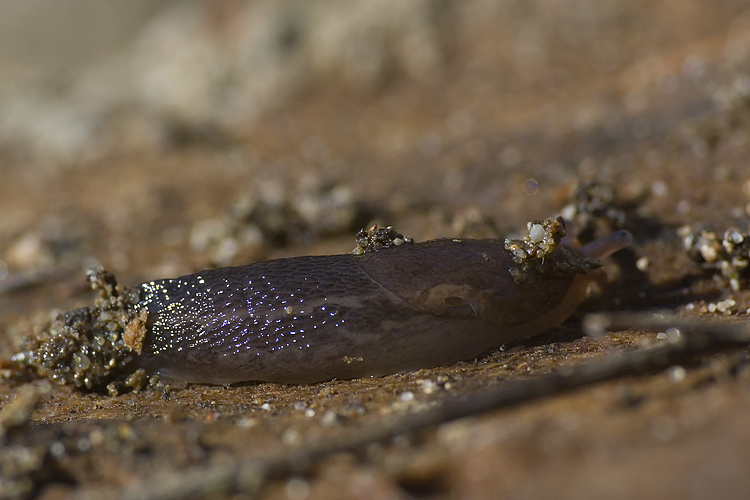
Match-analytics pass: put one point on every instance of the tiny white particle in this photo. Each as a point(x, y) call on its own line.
point(536, 233)
point(57, 449)
point(677, 374)
point(659, 188)
point(406, 396)
point(642, 264)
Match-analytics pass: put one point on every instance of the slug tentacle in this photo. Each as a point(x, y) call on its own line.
point(604, 247)
point(309, 319)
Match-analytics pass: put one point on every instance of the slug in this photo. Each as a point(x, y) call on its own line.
point(417, 305)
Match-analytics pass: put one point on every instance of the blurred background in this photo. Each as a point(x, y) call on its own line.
point(157, 138)
point(46, 37)
point(181, 121)
point(81, 78)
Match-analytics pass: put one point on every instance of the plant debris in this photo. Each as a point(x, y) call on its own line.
point(90, 347)
point(728, 255)
point(377, 238)
point(593, 210)
point(542, 239)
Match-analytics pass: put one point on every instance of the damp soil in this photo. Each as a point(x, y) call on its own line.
point(656, 113)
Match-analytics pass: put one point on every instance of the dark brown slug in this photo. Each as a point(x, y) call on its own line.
point(310, 319)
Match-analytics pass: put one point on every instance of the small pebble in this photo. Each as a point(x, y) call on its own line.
point(57, 449)
point(329, 418)
point(677, 374)
point(406, 396)
point(659, 188)
point(83, 445)
point(536, 233)
point(247, 422)
point(428, 386)
point(297, 489)
point(290, 437)
point(642, 264)
point(672, 333)
point(683, 207)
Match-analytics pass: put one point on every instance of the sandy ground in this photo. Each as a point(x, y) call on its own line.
point(182, 150)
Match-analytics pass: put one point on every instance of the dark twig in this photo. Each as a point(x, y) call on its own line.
point(31, 278)
point(696, 331)
point(249, 475)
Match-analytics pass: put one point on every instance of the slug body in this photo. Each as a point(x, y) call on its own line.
point(309, 319)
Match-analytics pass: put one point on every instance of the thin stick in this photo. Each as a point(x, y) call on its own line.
point(696, 329)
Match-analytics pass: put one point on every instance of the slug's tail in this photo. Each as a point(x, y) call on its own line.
point(604, 247)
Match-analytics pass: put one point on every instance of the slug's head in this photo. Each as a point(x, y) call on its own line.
point(518, 287)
